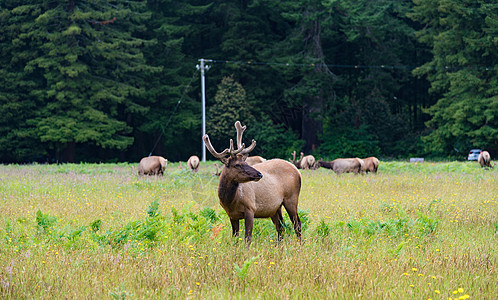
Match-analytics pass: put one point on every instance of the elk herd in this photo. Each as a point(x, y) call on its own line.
point(339, 166)
point(253, 187)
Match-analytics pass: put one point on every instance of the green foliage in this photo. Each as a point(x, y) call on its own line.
point(146, 231)
point(323, 229)
point(461, 72)
point(398, 248)
point(273, 140)
point(348, 142)
point(106, 84)
point(426, 224)
point(95, 225)
point(45, 221)
point(230, 106)
point(89, 67)
point(153, 210)
point(120, 293)
point(210, 215)
point(241, 272)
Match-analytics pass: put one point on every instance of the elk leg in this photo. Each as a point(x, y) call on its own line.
point(249, 222)
point(278, 220)
point(235, 227)
point(292, 211)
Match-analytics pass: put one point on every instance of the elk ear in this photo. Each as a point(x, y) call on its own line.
point(224, 160)
point(245, 156)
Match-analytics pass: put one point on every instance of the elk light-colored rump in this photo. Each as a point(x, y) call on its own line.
point(371, 164)
point(307, 162)
point(484, 159)
point(152, 165)
point(193, 163)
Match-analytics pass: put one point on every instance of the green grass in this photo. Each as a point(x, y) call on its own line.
point(416, 231)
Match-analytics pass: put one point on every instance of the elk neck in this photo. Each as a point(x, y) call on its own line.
point(227, 188)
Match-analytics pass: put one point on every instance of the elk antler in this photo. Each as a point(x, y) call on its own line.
point(293, 156)
point(241, 148)
point(221, 155)
point(240, 145)
point(233, 152)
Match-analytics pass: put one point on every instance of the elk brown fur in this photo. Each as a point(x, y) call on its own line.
point(484, 159)
point(371, 164)
point(252, 160)
point(307, 162)
point(152, 165)
point(247, 193)
point(342, 165)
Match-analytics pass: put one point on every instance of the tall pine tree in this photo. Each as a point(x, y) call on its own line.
point(462, 36)
point(92, 67)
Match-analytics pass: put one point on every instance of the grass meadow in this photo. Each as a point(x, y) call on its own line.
point(413, 231)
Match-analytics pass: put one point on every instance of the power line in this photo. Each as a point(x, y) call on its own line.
point(173, 113)
point(344, 66)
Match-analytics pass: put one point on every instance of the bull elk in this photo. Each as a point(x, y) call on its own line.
point(152, 165)
point(484, 159)
point(193, 163)
point(293, 160)
point(247, 193)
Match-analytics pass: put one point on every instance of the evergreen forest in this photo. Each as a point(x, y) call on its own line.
point(115, 80)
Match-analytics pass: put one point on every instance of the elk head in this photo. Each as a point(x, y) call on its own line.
point(236, 169)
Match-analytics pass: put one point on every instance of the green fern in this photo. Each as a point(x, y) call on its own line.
point(242, 272)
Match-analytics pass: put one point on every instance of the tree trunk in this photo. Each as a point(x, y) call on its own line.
point(311, 124)
point(68, 153)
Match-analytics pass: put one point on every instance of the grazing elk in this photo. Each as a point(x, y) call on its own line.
point(152, 165)
point(362, 165)
point(342, 165)
point(252, 160)
point(307, 162)
point(293, 160)
point(371, 164)
point(484, 159)
point(247, 193)
point(193, 163)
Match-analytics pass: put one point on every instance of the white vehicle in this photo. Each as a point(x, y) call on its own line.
point(474, 154)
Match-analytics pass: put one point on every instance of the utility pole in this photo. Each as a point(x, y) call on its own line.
point(203, 67)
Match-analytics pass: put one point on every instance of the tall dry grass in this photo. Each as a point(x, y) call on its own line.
point(421, 231)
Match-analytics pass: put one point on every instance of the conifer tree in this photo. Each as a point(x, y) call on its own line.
point(92, 67)
point(462, 36)
point(168, 122)
point(18, 104)
point(230, 106)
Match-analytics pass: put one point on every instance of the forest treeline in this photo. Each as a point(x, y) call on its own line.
point(95, 80)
